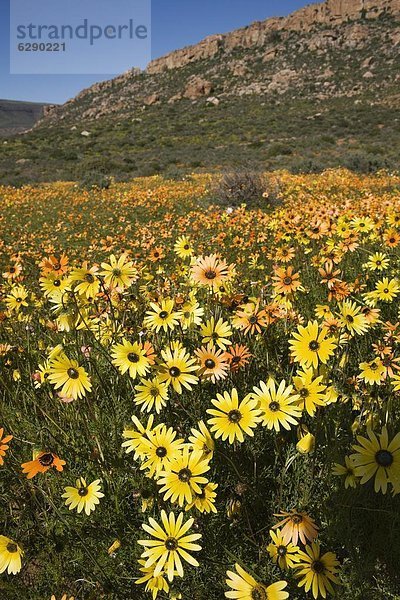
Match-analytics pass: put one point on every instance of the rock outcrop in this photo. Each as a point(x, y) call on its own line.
point(330, 14)
point(196, 88)
point(329, 50)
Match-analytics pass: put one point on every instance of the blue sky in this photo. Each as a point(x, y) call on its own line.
point(175, 23)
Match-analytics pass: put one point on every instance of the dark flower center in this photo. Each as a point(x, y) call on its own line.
point(304, 393)
point(89, 278)
point(161, 452)
point(349, 319)
point(373, 366)
point(259, 593)
point(154, 392)
point(185, 475)
point(146, 494)
point(274, 406)
point(235, 360)
point(282, 550)
point(210, 274)
point(287, 280)
point(72, 373)
point(163, 314)
point(171, 543)
point(11, 547)
point(314, 345)
point(56, 283)
point(384, 458)
point(174, 372)
point(234, 416)
point(116, 272)
point(318, 566)
point(253, 320)
point(386, 291)
point(296, 519)
point(46, 459)
point(186, 247)
point(209, 363)
point(132, 357)
point(83, 491)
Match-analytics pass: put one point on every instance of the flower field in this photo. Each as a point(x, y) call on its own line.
point(200, 402)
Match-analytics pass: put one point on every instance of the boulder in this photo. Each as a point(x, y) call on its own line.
point(197, 87)
point(152, 99)
point(213, 100)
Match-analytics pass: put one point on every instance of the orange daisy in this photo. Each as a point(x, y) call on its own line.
point(285, 281)
point(251, 319)
point(391, 238)
point(42, 463)
point(156, 254)
point(237, 356)
point(210, 270)
point(12, 272)
point(51, 264)
point(296, 525)
point(4, 445)
point(213, 363)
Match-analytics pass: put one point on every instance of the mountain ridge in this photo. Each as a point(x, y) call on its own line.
point(17, 115)
point(330, 12)
point(320, 92)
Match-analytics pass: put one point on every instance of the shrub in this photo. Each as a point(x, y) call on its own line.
point(94, 180)
point(247, 187)
point(366, 163)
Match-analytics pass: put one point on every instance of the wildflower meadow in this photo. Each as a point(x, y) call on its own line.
point(200, 401)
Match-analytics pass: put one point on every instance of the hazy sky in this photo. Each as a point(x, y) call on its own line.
point(175, 24)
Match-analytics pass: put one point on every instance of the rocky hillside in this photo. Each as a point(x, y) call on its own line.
point(19, 116)
point(315, 89)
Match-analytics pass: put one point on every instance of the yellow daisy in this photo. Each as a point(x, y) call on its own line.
point(10, 556)
point(282, 552)
point(310, 390)
point(231, 418)
point(162, 316)
point(65, 373)
point(279, 407)
point(119, 273)
point(310, 345)
point(130, 357)
point(177, 369)
point(170, 545)
point(151, 394)
point(317, 572)
point(159, 448)
point(183, 476)
point(379, 458)
point(205, 500)
point(83, 496)
point(245, 587)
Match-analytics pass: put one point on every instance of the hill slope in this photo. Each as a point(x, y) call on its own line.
point(18, 116)
point(318, 88)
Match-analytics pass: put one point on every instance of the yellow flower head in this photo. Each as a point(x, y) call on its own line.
point(83, 496)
